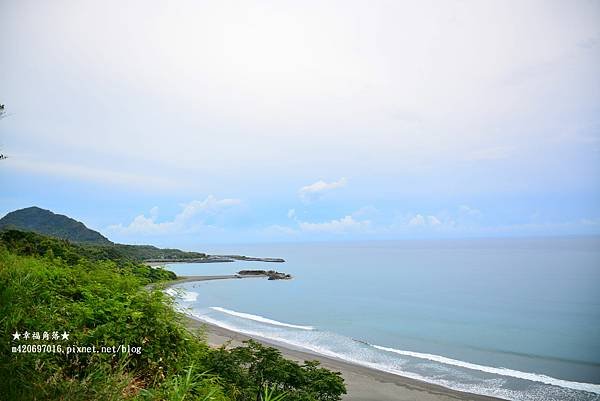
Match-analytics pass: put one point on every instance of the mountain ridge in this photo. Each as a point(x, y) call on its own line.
point(46, 222)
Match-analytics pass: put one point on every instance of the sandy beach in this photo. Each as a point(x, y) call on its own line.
point(363, 384)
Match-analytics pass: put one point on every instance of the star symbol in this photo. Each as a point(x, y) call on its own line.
point(16, 336)
point(65, 335)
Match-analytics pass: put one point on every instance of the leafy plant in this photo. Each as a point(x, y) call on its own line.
point(47, 285)
point(269, 394)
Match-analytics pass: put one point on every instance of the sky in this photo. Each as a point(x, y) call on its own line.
point(184, 123)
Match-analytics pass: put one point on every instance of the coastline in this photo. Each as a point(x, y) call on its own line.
point(213, 259)
point(363, 383)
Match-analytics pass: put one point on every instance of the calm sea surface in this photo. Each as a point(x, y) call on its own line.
point(517, 319)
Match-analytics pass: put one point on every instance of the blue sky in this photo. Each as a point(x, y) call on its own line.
point(184, 123)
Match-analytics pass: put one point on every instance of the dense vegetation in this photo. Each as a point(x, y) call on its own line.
point(149, 252)
point(32, 244)
point(45, 222)
point(52, 224)
point(48, 284)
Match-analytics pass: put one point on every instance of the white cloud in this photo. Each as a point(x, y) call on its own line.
point(313, 191)
point(345, 224)
point(334, 111)
point(433, 221)
point(210, 205)
point(348, 223)
point(417, 225)
point(419, 220)
point(466, 210)
point(276, 230)
point(191, 218)
point(144, 225)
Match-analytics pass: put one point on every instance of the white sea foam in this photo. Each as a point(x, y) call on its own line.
point(350, 358)
point(185, 296)
point(590, 387)
point(485, 387)
point(189, 296)
point(259, 318)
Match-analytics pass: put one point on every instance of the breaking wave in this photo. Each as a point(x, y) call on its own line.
point(260, 319)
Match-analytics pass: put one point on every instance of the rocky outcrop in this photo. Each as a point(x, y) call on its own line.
point(271, 274)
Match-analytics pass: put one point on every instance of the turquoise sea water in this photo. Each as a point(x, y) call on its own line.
point(517, 319)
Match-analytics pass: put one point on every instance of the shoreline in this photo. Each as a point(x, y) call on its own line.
point(187, 279)
point(362, 383)
point(213, 259)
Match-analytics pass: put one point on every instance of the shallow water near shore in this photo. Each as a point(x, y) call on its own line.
point(517, 319)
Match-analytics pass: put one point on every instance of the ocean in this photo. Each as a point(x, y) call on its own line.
point(513, 318)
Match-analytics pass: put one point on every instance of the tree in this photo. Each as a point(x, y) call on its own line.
point(247, 371)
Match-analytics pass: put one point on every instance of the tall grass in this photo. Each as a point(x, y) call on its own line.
point(109, 303)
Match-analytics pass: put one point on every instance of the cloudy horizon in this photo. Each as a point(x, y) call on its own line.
point(183, 123)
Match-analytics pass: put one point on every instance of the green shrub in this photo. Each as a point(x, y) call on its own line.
point(51, 285)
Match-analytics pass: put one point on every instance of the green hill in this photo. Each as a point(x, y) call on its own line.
point(48, 223)
point(45, 222)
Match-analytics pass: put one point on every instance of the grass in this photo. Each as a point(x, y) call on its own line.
point(50, 285)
